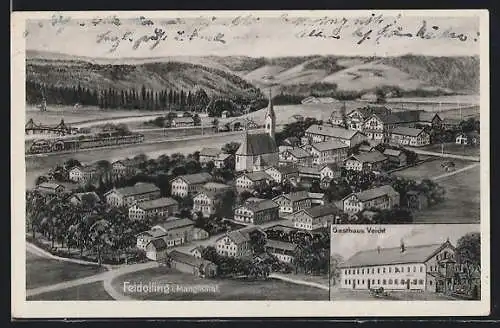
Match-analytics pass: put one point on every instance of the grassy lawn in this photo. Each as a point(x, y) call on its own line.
point(226, 289)
point(453, 148)
point(337, 294)
point(41, 271)
point(88, 292)
point(429, 169)
point(462, 200)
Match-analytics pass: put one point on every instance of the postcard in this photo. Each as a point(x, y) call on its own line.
point(265, 163)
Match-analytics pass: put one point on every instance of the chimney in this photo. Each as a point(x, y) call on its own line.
point(378, 249)
point(402, 246)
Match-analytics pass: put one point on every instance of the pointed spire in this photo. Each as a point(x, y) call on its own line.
point(270, 107)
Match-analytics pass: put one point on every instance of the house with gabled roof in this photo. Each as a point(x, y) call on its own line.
point(87, 199)
point(189, 184)
point(188, 263)
point(283, 251)
point(321, 133)
point(281, 173)
point(296, 155)
point(174, 232)
point(372, 161)
point(236, 243)
point(50, 188)
point(257, 212)
point(208, 154)
point(293, 202)
point(395, 156)
point(430, 267)
point(383, 198)
point(316, 217)
point(207, 202)
point(331, 151)
point(410, 137)
point(160, 208)
point(128, 196)
point(330, 171)
point(252, 180)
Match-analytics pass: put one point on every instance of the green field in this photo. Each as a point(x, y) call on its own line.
point(462, 198)
point(41, 271)
point(227, 289)
point(88, 292)
point(453, 148)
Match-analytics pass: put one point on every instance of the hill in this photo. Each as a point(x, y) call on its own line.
point(233, 76)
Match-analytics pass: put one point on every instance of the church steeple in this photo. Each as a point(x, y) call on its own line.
point(270, 119)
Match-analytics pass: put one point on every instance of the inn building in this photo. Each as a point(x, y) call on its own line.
point(429, 268)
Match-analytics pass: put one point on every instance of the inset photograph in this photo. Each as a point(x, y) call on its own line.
point(405, 262)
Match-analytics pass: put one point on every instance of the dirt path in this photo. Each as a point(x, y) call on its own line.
point(445, 175)
point(299, 282)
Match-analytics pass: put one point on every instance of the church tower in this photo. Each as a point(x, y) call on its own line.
point(270, 119)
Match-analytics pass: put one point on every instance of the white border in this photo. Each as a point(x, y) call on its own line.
point(126, 309)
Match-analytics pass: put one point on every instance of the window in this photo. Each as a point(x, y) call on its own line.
point(430, 282)
point(402, 281)
point(414, 269)
point(384, 282)
point(420, 281)
point(362, 271)
point(389, 269)
point(357, 271)
point(414, 282)
point(390, 281)
point(408, 269)
point(378, 270)
point(345, 271)
point(363, 281)
point(373, 270)
point(358, 281)
point(395, 281)
point(373, 281)
point(345, 282)
point(383, 270)
point(378, 281)
point(421, 269)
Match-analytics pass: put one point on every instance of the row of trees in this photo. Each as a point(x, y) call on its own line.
point(97, 231)
point(112, 98)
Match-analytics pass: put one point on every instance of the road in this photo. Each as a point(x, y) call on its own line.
point(445, 155)
point(445, 175)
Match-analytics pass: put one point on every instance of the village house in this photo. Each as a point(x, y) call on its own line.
point(235, 243)
point(190, 264)
point(258, 151)
point(83, 174)
point(197, 251)
point(321, 133)
point(372, 161)
point(331, 151)
point(316, 217)
point(395, 156)
point(357, 117)
point(257, 212)
point(283, 251)
point(379, 127)
point(87, 199)
point(178, 122)
point(450, 123)
point(410, 137)
point(157, 208)
point(156, 249)
point(317, 198)
point(127, 167)
point(209, 155)
point(128, 196)
point(173, 232)
point(216, 187)
point(283, 173)
point(383, 198)
point(330, 171)
point(189, 184)
point(430, 268)
point(471, 138)
point(293, 202)
point(207, 202)
point(50, 188)
point(252, 180)
point(222, 160)
point(309, 173)
point(366, 148)
point(291, 142)
point(296, 156)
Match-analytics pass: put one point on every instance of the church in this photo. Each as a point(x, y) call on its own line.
point(259, 151)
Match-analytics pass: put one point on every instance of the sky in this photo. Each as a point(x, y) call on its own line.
point(347, 244)
point(260, 34)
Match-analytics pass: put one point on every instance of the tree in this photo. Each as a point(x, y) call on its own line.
point(335, 261)
point(380, 93)
point(41, 179)
point(196, 119)
point(468, 253)
point(231, 147)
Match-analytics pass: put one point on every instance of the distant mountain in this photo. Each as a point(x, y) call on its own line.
point(240, 76)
